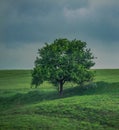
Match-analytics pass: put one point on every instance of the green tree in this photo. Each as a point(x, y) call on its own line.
point(61, 61)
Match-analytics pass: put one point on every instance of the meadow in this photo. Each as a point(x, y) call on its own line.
point(95, 107)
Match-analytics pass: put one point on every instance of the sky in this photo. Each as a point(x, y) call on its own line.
point(25, 25)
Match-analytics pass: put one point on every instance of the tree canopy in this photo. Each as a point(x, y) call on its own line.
point(61, 61)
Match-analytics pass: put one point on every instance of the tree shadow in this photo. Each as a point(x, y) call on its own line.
point(35, 96)
point(93, 89)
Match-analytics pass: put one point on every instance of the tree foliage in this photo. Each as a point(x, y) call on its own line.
point(61, 61)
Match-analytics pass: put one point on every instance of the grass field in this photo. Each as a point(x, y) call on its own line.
point(24, 108)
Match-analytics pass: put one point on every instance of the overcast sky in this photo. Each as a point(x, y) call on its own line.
point(25, 25)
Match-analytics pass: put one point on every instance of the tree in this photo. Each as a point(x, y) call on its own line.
point(61, 61)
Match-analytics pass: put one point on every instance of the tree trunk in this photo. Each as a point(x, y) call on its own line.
point(61, 87)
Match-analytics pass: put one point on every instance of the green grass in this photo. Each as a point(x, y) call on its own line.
point(95, 107)
point(107, 75)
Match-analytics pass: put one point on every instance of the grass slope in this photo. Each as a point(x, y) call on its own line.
point(25, 108)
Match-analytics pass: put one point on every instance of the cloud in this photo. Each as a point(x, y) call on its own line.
point(33, 21)
point(99, 20)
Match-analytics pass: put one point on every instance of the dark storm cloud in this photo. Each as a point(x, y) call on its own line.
point(106, 25)
point(42, 20)
point(99, 20)
point(26, 21)
point(35, 20)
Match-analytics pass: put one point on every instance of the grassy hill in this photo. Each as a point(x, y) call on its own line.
point(95, 107)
